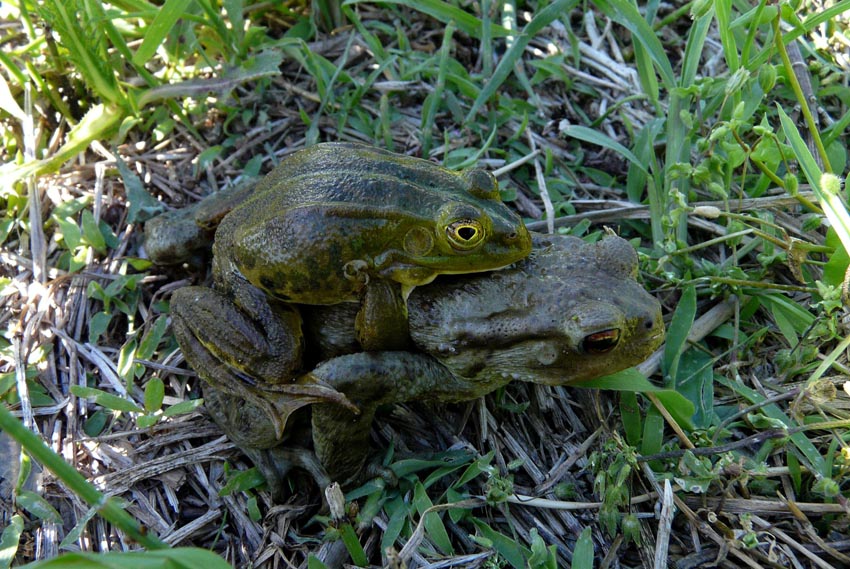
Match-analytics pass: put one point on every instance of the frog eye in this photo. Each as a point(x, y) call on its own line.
point(465, 234)
point(601, 342)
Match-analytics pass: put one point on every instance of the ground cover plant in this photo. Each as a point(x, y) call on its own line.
point(712, 134)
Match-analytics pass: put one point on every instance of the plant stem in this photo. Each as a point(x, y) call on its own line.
point(798, 93)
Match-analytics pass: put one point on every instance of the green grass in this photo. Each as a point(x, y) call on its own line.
point(701, 146)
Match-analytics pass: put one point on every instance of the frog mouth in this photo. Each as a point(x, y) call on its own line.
point(551, 363)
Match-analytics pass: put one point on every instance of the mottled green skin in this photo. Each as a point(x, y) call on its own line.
point(570, 312)
point(334, 204)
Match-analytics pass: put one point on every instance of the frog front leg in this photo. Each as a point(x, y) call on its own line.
point(381, 322)
point(368, 380)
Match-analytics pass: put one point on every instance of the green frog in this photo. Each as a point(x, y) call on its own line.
point(333, 223)
point(571, 311)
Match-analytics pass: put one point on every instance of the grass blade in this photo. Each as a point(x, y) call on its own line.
point(513, 55)
point(595, 137)
point(800, 440)
point(827, 187)
point(626, 14)
point(164, 21)
point(445, 13)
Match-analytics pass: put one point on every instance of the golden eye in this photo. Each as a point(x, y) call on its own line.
point(465, 234)
point(601, 342)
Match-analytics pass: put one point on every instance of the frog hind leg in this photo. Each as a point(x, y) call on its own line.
point(221, 377)
point(239, 397)
point(277, 464)
point(250, 427)
point(245, 333)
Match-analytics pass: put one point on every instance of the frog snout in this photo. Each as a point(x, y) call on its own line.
point(653, 325)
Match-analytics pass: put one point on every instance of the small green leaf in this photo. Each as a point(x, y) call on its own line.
point(790, 318)
point(139, 264)
point(37, 506)
point(207, 156)
point(653, 432)
point(91, 232)
point(314, 563)
point(98, 324)
point(151, 340)
point(95, 424)
point(9, 541)
point(7, 382)
point(142, 205)
point(474, 470)
point(105, 399)
point(630, 415)
point(10, 105)
point(542, 557)
point(243, 481)
point(26, 470)
point(399, 511)
point(405, 467)
point(126, 361)
point(835, 270)
point(583, 551)
point(154, 394)
point(352, 544)
point(695, 381)
point(71, 233)
point(677, 334)
point(183, 407)
point(514, 553)
point(69, 541)
point(166, 17)
point(146, 421)
point(434, 527)
point(253, 509)
point(794, 471)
